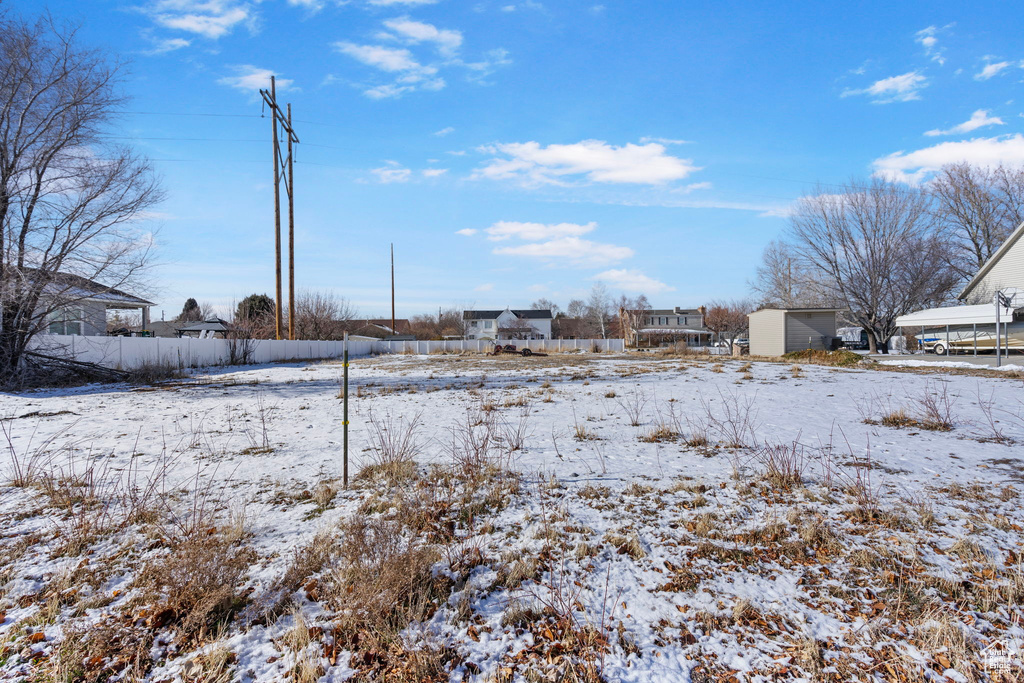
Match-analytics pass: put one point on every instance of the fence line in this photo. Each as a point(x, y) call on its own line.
point(128, 353)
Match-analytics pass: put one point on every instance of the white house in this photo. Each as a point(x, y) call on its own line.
point(508, 324)
point(1005, 270)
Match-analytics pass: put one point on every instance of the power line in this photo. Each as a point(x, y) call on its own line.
point(175, 113)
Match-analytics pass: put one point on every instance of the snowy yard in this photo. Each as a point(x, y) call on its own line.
point(577, 517)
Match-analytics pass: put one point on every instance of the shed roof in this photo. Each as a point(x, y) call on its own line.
point(798, 310)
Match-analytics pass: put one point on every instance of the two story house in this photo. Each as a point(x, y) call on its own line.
point(662, 326)
point(508, 324)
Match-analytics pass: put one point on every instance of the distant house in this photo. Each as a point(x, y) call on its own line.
point(508, 324)
point(85, 312)
point(380, 328)
point(669, 325)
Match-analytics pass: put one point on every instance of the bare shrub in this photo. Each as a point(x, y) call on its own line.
point(515, 431)
point(994, 431)
point(394, 445)
point(935, 408)
point(734, 422)
point(474, 443)
point(784, 464)
point(633, 404)
point(866, 495)
point(154, 371)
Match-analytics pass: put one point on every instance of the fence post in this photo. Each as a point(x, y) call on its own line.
point(344, 418)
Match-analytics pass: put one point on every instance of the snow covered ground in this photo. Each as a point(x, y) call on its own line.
point(669, 519)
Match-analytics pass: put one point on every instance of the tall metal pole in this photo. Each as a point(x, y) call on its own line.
point(393, 330)
point(344, 418)
point(277, 214)
point(291, 233)
point(998, 303)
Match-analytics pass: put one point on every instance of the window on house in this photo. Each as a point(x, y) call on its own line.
point(66, 321)
point(473, 323)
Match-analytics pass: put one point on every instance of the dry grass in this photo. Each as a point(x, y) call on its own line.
point(195, 584)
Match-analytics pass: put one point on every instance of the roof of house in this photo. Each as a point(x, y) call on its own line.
point(214, 324)
point(383, 323)
point(521, 313)
point(83, 288)
point(1000, 252)
point(672, 311)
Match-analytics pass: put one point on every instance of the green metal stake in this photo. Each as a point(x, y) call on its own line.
point(344, 422)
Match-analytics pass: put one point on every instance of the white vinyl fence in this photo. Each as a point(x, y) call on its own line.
point(127, 353)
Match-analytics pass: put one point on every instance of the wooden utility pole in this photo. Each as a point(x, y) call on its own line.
point(393, 330)
point(291, 234)
point(277, 214)
point(279, 119)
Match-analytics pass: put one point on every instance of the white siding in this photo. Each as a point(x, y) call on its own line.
point(768, 333)
point(1008, 271)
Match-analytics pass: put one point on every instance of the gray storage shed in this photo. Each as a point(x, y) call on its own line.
point(775, 331)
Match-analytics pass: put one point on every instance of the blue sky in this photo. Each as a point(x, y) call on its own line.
point(522, 149)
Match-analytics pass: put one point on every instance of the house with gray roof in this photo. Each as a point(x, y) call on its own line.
point(508, 324)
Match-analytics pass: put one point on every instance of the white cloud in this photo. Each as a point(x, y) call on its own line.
point(444, 131)
point(380, 57)
point(434, 172)
point(169, 45)
point(486, 287)
point(536, 232)
point(913, 167)
point(251, 78)
point(927, 37)
point(991, 70)
point(632, 281)
point(570, 251)
point(664, 141)
point(411, 75)
point(393, 172)
point(979, 119)
point(447, 40)
point(902, 88)
point(389, 3)
point(209, 18)
point(468, 232)
point(533, 164)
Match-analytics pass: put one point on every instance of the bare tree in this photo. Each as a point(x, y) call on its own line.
point(599, 308)
point(631, 316)
point(322, 316)
point(70, 201)
point(876, 246)
point(728, 319)
point(546, 305)
point(784, 279)
point(978, 208)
